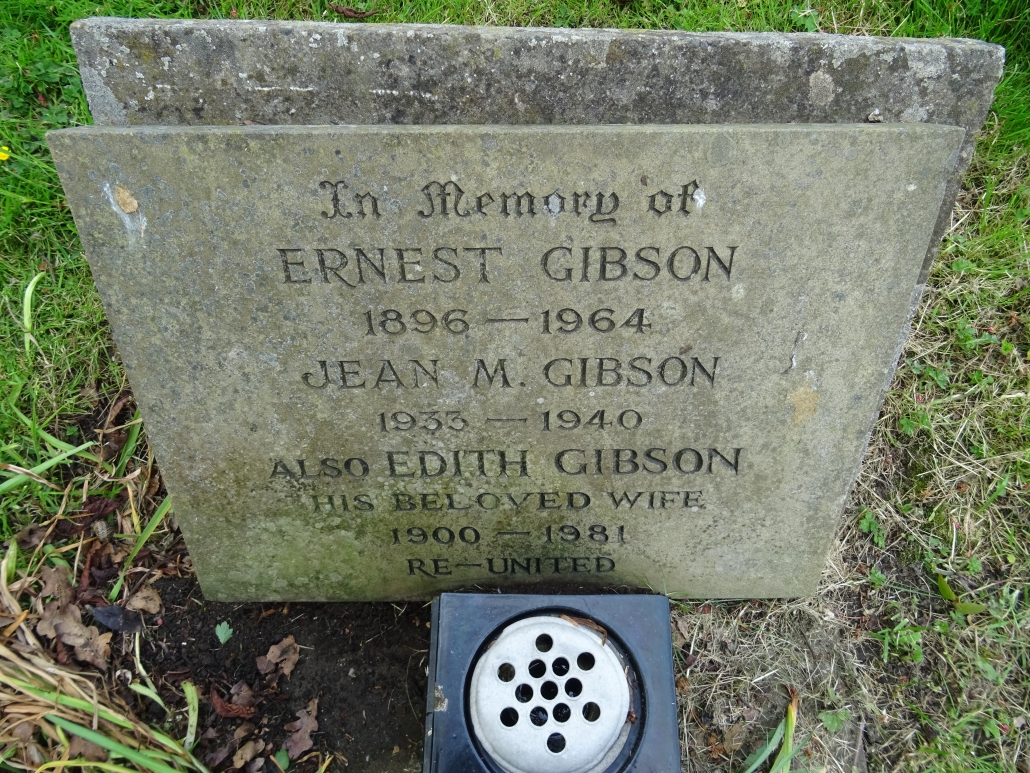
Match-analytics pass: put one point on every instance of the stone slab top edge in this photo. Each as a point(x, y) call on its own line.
point(557, 33)
point(322, 129)
point(170, 71)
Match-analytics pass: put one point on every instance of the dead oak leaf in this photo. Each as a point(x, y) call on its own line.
point(23, 731)
point(300, 740)
point(56, 584)
point(90, 645)
point(30, 537)
point(229, 710)
point(147, 599)
point(683, 628)
point(284, 654)
point(65, 623)
point(264, 665)
point(247, 752)
point(54, 613)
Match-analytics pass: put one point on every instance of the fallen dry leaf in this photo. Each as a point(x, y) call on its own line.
point(54, 612)
point(683, 628)
point(300, 740)
point(146, 599)
point(264, 665)
point(214, 759)
point(125, 200)
point(734, 736)
point(284, 654)
point(256, 764)
point(80, 747)
point(118, 554)
point(23, 730)
point(30, 537)
point(247, 752)
point(56, 584)
point(242, 695)
point(229, 710)
point(243, 731)
point(90, 645)
point(351, 13)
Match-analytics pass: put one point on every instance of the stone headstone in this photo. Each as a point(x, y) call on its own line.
point(381, 362)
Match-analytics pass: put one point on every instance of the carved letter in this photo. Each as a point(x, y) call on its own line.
point(361, 198)
point(325, 376)
point(443, 193)
point(545, 264)
point(672, 263)
point(547, 373)
point(687, 194)
point(325, 269)
point(498, 369)
point(335, 198)
point(599, 214)
point(286, 267)
point(522, 200)
point(724, 267)
point(666, 203)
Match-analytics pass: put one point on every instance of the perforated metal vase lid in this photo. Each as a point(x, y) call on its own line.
point(550, 696)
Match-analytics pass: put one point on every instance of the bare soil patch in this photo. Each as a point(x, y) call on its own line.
point(365, 664)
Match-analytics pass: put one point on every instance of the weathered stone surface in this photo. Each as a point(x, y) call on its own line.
point(140, 72)
point(361, 385)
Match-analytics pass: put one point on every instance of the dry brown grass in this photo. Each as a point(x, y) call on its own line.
point(944, 490)
point(38, 697)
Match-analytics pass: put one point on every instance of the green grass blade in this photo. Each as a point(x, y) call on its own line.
point(130, 445)
point(26, 309)
point(782, 765)
point(155, 520)
point(193, 714)
point(140, 758)
point(945, 589)
point(18, 480)
point(761, 754)
point(80, 763)
point(146, 691)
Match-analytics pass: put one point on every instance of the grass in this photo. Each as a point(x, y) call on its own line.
point(945, 487)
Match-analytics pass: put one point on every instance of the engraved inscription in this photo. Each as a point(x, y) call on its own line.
point(382, 351)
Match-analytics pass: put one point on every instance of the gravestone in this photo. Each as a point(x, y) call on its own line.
point(379, 362)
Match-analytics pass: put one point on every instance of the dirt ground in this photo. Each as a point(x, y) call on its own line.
point(364, 663)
